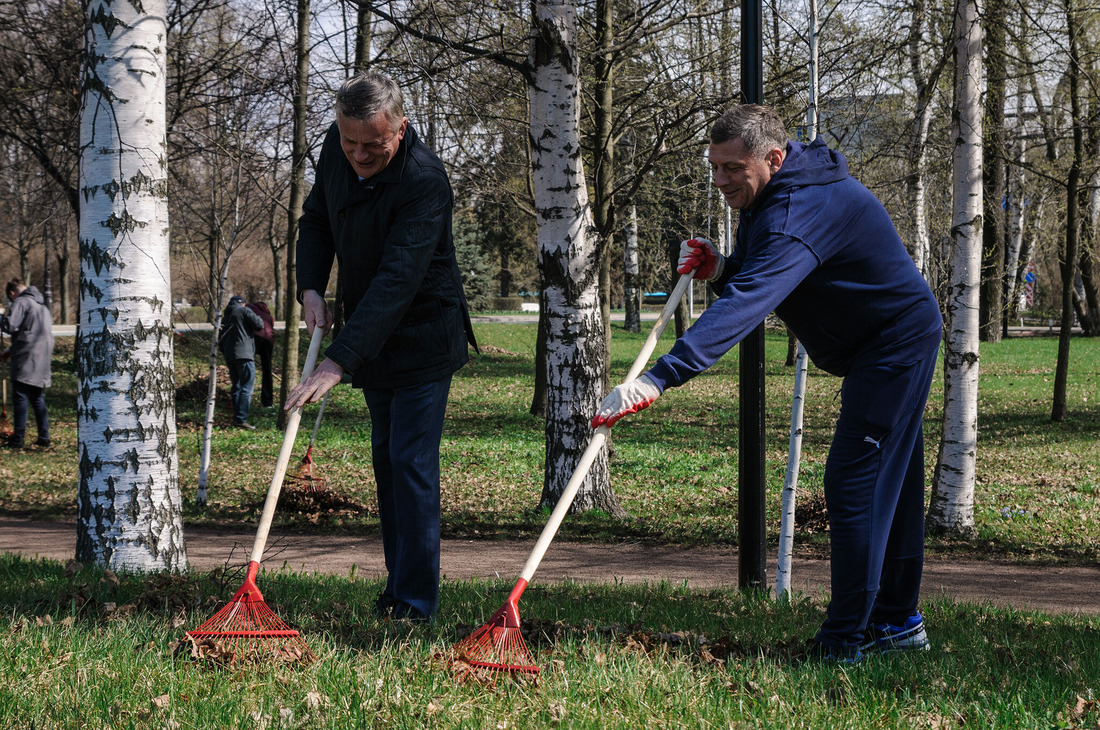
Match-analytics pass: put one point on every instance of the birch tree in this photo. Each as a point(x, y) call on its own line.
point(129, 506)
point(568, 258)
point(951, 509)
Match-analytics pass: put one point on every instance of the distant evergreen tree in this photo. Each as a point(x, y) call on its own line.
point(476, 266)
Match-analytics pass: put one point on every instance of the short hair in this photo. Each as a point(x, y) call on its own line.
point(363, 96)
point(13, 285)
point(757, 126)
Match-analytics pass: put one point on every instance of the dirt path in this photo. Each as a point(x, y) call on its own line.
point(1053, 589)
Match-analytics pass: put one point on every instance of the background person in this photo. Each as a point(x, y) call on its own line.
point(265, 342)
point(238, 348)
point(30, 324)
point(819, 249)
point(381, 206)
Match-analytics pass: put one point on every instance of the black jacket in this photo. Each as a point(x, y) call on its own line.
point(407, 320)
point(239, 323)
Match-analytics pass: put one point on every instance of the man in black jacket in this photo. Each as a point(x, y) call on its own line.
point(239, 323)
point(381, 206)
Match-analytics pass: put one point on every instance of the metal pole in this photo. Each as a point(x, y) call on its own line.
point(751, 540)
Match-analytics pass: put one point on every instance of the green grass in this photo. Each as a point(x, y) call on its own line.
point(84, 650)
point(673, 468)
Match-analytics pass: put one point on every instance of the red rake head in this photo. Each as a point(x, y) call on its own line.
point(498, 645)
point(245, 629)
point(305, 478)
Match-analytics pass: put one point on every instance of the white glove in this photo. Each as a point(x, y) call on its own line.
point(626, 398)
point(702, 256)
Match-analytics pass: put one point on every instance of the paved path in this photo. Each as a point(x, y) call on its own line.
point(1048, 588)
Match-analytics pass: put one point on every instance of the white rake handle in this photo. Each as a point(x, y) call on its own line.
point(317, 423)
point(281, 463)
point(600, 436)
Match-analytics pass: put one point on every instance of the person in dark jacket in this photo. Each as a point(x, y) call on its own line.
point(265, 343)
point(819, 249)
point(381, 206)
point(30, 324)
point(235, 339)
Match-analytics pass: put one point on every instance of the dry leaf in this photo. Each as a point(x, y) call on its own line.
point(315, 699)
point(161, 702)
point(109, 579)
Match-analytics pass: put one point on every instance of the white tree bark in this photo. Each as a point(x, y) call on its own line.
point(951, 508)
point(632, 293)
point(568, 259)
point(129, 506)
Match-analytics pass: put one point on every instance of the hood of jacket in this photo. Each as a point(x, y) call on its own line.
point(33, 293)
point(804, 165)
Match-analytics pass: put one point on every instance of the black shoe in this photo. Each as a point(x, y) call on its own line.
point(818, 652)
point(13, 443)
point(43, 444)
point(244, 424)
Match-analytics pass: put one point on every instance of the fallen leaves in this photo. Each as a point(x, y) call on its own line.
point(234, 651)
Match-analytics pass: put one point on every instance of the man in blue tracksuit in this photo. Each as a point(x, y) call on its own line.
point(819, 249)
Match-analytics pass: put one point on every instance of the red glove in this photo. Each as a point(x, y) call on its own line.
point(702, 256)
point(626, 398)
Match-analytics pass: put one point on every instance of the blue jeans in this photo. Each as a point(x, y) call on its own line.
point(406, 428)
point(24, 398)
point(242, 377)
point(874, 491)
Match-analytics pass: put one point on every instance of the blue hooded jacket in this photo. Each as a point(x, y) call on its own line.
point(819, 249)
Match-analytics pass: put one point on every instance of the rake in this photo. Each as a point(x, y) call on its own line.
point(305, 475)
point(5, 424)
point(498, 646)
point(246, 628)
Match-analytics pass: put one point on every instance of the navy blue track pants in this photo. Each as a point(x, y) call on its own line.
point(874, 491)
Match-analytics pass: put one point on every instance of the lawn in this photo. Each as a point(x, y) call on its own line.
point(86, 648)
point(89, 649)
point(673, 467)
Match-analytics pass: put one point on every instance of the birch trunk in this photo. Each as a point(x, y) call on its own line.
point(951, 508)
point(128, 503)
point(568, 260)
point(632, 293)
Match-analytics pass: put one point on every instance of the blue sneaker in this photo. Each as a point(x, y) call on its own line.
point(910, 636)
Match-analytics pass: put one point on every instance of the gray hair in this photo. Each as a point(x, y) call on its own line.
point(757, 126)
point(363, 96)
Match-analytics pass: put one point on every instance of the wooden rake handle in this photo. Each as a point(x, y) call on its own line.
point(317, 423)
point(600, 435)
point(281, 463)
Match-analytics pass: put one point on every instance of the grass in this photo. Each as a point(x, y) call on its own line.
point(89, 649)
point(84, 648)
point(674, 466)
